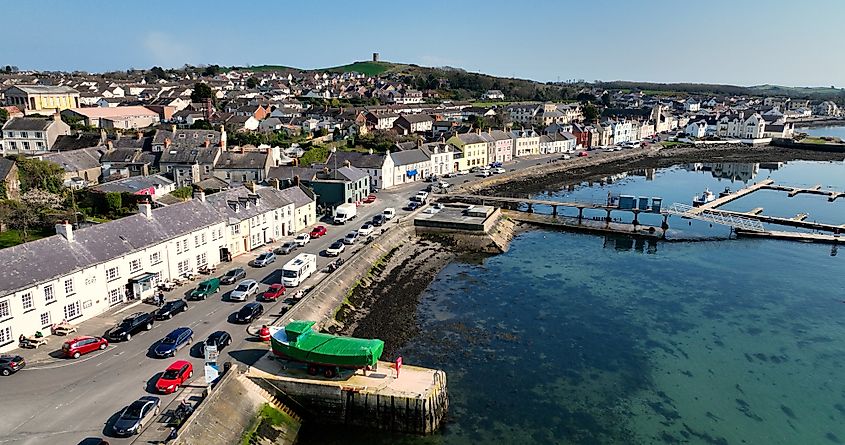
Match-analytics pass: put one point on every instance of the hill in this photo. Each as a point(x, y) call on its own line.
point(706, 89)
point(368, 68)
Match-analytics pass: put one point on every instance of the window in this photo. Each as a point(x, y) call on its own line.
point(201, 260)
point(196, 240)
point(202, 238)
point(45, 319)
point(26, 145)
point(5, 335)
point(155, 257)
point(5, 310)
point(28, 304)
point(183, 266)
point(39, 144)
point(10, 134)
point(24, 134)
point(236, 229)
point(112, 274)
point(38, 135)
point(135, 265)
point(49, 295)
point(178, 247)
point(185, 246)
point(72, 311)
point(69, 286)
point(114, 297)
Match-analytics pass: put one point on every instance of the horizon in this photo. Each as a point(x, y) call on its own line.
point(660, 43)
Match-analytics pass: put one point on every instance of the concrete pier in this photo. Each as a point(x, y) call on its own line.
point(587, 225)
point(413, 402)
point(734, 196)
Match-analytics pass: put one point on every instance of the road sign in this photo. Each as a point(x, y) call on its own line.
point(212, 371)
point(211, 353)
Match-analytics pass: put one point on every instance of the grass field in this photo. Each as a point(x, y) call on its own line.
point(11, 238)
point(368, 68)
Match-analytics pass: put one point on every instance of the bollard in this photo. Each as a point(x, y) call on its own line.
point(264, 333)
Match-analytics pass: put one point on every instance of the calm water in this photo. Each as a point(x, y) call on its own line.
point(838, 131)
point(572, 338)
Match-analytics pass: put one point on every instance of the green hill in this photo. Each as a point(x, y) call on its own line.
point(368, 68)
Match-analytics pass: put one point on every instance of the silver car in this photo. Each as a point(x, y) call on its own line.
point(245, 289)
point(264, 259)
point(132, 419)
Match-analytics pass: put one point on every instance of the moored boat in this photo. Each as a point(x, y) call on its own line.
point(704, 198)
point(297, 341)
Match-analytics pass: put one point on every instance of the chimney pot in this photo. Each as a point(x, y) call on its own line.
point(173, 128)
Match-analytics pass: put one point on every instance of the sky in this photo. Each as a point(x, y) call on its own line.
point(740, 42)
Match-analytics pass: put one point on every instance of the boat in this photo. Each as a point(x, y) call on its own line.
point(725, 192)
point(706, 196)
point(299, 342)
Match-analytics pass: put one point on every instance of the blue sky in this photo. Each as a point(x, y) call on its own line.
point(716, 41)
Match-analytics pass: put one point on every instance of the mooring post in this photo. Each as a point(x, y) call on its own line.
point(530, 208)
point(580, 213)
point(665, 225)
point(554, 210)
point(635, 222)
point(607, 218)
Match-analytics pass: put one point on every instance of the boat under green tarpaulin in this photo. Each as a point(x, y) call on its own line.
point(298, 341)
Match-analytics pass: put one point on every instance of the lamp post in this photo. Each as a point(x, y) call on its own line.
point(334, 155)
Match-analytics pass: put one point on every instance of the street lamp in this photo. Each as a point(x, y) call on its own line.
point(334, 155)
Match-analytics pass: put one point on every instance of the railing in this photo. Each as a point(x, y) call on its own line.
point(716, 216)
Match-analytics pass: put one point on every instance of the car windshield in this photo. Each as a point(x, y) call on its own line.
point(246, 310)
point(232, 273)
point(203, 287)
point(135, 410)
point(169, 306)
point(290, 274)
point(169, 340)
point(243, 287)
point(171, 374)
point(336, 245)
point(288, 244)
point(127, 322)
point(263, 256)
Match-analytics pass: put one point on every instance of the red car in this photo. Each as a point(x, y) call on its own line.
point(273, 292)
point(583, 154)
point(318, 231)
point(83, 345)
point(370, 199)
point(176, 374)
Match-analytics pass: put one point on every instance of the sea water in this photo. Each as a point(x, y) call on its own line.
point(572, 338)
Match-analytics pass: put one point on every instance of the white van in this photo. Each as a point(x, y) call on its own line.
point(297, 270)
point(389, 213)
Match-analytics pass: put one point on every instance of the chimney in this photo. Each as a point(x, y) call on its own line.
point(167, 143)
point(347, 163)
point(65, 229)
point(199, 194)
point(173, 128)
point(57, 116)
point(139, 135)
point(223, 137)
point(419, 143)
point(251, 186)
point(276, 183)
point(296, 180)
point(207, 143)
point(103, 135)
point(146, 209)
point(110, 145)
point(117, 136)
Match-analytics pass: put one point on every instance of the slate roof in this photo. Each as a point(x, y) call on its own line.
point(352, 174)
point(46, 89)
point(287, 172)
point(297, 195)
point(133, 184)
point(270, 198)
point(5, 167)
point(76, 141)
point(189, 155)
point(247, 160)
point(186, 138)
point(77, 160)
point(407, 157)
point(360, 160)
point(28, 124)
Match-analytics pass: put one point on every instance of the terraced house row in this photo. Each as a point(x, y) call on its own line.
point(80, 273)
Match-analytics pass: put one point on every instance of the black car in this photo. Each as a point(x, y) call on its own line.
point(131, 325)
point(221, 339)
point(132, 419)
point(379, 220)
point(413, 205)
point(171, 308)
point(10, 364)
point(249, 312)
point(233, 275)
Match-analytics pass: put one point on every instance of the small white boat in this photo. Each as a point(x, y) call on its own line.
point(706, 196)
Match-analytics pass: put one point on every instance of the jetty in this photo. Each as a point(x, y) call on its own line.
point(587, 225)
point(718, 202)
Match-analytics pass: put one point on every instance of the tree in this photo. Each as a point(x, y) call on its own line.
point(183, 192)
point(210, 71)
point(201, 124)
point(585, 97)
point(158, 72)
point(605, 99)
point(114, 202)
point(37, 174)
point(591, 113)
point(201, 92)
point(4, 116)
point(252, 83)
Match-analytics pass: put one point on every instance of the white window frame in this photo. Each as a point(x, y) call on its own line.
point(112, 273)
point(69, 286)
point(135, 265)
point(6, 335)
point(48, 319)
point(115, 296)
point(49, 294)
point(27, 302)
point(72, 311)
point(5, 309)
point(155, 258)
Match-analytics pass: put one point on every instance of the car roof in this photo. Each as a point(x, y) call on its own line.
point(247, 282)
point(252, 305)
point(235, 270)
point(10, 357)
point(178, 331)
point(218, 334)
point(177, 365)
point(81, 337)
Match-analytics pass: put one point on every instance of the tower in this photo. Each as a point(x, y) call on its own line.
point(375, 57)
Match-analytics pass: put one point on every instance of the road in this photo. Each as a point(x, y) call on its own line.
point(66, 401)
point(61, 401)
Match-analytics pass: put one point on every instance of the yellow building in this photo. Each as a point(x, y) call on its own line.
point(473, 149)
point(42, 99)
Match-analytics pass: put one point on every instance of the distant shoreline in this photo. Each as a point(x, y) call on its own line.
point(821, 123)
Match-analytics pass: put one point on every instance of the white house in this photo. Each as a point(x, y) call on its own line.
point(525, 142)
point(442, 157)
point(740, 126)
point(696, 128)
point(621, 131)
point(692, 105)
point(410, 166)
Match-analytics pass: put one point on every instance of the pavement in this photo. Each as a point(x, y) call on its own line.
point(64, 401)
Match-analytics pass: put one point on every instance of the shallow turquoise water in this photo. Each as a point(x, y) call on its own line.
point(572, 338)
point(837, 131)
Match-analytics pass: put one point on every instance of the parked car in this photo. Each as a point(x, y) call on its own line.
point(131, 325)
point(245, 289)
point(370, 199)
point(413, 205)
point(264, 259)
point(422, 196)
point(366, 230)
point(133, 418)
point(495, 164)
point(566, 157)
point(444, 185)
point(389, 213)
point(450, 175)
point(175, 340)
point(286, 248)
point(437, 205)
point(221, 339)
point(318, 231)
point(379, 220)
point(583, 154)
point(174, 376)
point(249, 313)
point(498, 170)
point(171, 308)
point(484, 173)
point(206, 288)
point(431, 210)
point(350, 238)
point(336, 248)
point(302, 239)
point(274, 292)
point(475, 170)
point(10, 364)
point(79, 346)
point(233, 275)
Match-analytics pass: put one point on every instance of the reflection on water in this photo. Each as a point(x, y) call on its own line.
point(733, 171)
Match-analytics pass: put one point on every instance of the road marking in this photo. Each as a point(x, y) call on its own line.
point(66, 362)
